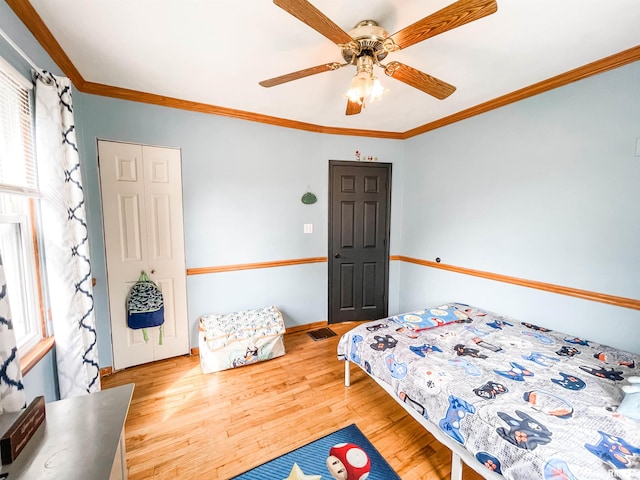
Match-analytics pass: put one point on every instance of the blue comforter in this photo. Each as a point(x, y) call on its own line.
point(527, 402)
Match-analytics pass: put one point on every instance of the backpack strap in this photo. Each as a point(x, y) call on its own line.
point(145, 335)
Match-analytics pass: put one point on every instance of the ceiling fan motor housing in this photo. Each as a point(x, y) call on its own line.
point(369, 40)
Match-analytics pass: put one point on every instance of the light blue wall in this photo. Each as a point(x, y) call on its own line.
point(242, 185)
point(546, 189)
point(42, 380)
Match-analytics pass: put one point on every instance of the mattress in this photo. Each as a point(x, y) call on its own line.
point(526, 402)
point(240, 338)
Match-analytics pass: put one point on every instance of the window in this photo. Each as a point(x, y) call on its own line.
point(19, 207)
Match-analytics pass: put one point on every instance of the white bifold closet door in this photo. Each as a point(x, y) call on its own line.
point(143, 227)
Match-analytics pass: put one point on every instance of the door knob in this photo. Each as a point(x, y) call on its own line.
point(337, 255)
point(153, 272)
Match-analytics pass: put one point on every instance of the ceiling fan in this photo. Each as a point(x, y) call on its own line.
point(368, 44)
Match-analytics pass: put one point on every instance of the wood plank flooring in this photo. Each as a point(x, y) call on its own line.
point(183, 424)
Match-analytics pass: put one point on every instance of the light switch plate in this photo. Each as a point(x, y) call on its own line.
point(308, 228)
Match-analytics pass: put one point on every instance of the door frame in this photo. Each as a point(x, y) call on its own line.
point(364, 165)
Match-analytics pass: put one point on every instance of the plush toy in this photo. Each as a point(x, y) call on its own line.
point(630, 406)
point(348, 462)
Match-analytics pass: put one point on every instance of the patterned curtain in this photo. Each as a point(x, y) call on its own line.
point(11, 388)
point(66, 242)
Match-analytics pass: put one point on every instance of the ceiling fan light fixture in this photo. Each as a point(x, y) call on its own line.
point(360, 87)
point(377, 90)
point(364, 83)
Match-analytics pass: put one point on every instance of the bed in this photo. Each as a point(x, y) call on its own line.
point(511, 399)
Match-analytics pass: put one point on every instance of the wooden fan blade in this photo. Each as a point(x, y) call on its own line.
point(299, 74)
point(450, 17)
point(307, 13)
point(420, 80)
point(353, 108)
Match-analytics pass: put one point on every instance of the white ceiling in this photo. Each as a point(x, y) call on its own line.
point(216, 52)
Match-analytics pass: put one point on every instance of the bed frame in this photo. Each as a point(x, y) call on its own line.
point(458, 453)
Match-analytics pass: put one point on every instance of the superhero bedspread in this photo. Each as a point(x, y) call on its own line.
point(527, 402)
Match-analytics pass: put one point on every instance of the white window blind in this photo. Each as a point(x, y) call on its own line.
point(17, 158)
point(19, 208)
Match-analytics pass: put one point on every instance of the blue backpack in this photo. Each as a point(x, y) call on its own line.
point(145, 306)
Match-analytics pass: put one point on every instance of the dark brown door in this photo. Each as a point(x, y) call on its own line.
point(359, 209)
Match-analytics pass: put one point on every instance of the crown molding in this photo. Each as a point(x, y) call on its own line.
point(32, 20)
point(599, 66)
point(25, 11)
point(144, 97)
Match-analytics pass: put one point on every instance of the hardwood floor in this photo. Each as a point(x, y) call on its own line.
point(187, 425)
